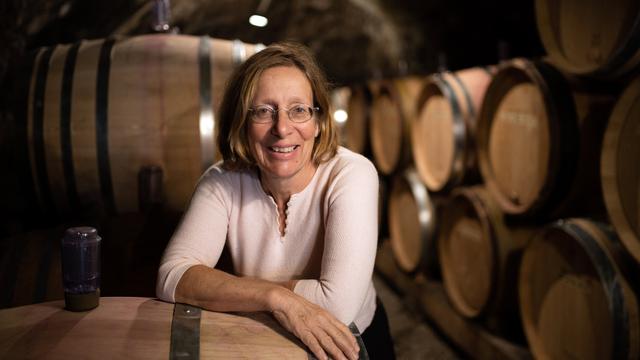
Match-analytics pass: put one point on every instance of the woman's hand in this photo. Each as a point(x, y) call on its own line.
point(216, 290)
point(316, 327)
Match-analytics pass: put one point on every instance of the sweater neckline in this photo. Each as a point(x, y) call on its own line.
point(294, 195)
point(290, 202)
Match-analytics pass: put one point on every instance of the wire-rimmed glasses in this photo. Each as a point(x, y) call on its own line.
point(297, 113)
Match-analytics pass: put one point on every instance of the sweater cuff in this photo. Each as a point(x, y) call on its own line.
point(305, 288)
point(166, 289)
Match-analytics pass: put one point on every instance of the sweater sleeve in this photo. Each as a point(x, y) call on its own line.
point(351, 233)
point(200, 237)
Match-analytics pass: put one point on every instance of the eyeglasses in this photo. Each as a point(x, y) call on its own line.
point(298, 113)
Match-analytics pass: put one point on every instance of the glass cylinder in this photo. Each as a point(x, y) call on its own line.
point(81, 268)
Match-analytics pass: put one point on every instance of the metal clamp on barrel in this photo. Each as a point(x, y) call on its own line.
point(239, 52)
point(185, 332)
point(362, 355)
point(207, 116)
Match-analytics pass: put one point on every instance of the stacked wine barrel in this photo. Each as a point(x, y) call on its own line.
point(521, 183)
point(100, 111)
point(117, 133)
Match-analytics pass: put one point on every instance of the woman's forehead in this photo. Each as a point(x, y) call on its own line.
point(283, 83)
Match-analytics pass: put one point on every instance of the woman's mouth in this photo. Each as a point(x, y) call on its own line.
point(285, 150)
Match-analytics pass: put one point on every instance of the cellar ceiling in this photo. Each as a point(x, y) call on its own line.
point(354, 40)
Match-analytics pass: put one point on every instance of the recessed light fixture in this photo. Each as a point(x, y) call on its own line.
point(259, 18)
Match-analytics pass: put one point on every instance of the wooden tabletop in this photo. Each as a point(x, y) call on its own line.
point(140, 328)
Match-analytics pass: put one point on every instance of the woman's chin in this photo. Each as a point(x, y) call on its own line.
point(280, 172)
point(287, 170)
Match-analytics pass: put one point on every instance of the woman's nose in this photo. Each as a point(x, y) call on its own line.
point(281, 123)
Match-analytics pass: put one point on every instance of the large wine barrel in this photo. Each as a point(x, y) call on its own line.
point(412, 223)
point(141, 328)
point(620, 167)
point(537, 138)
point(358, 109)
point(30, 270)
point(443, 133)
point(591, 37)
point(100, 110)
point(575, 300)
point(479, 256)
point(393, 110)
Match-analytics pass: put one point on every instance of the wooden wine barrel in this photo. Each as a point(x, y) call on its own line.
point(536, 141)
point(358, 109)
point(620, 168)
point(140, 328)
point(100, 110)
point(479, 256)
point(443, 133)
point(591, 37)
point(575, 300)
point(412, 223)
point(392, 112)
point(30, 270)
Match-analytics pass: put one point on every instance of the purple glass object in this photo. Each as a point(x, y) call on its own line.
point(81, 268)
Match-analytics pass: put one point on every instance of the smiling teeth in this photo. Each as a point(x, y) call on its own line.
point(287, 149)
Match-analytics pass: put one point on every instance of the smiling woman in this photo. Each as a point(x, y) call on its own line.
point(282, 146)
point(282, 201)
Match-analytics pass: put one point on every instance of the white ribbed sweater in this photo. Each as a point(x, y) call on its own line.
point(329, 243)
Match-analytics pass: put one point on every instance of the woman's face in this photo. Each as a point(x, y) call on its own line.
point(282, 148)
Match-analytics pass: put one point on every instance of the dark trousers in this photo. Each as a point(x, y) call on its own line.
point(377, 338)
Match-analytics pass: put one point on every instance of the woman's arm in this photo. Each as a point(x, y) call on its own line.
point(187, 275)
point(351, 234)
point(217, 290)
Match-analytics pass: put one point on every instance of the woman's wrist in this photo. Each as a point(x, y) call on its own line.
point(289, 284)
point(276, 298)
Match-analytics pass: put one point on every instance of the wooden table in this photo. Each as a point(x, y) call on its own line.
point(140, 328)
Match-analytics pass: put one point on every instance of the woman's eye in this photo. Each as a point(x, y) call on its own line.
point(299, 110)
point(263, 112)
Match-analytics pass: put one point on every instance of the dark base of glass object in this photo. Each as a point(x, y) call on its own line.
point(82, 302)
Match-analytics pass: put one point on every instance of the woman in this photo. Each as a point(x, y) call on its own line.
point(297, 214)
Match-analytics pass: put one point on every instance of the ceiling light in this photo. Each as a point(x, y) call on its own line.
point(258, 20)
point(259, 17)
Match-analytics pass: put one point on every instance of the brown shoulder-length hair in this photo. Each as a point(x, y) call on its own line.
point(233, 143)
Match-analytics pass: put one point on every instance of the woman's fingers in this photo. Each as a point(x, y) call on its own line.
point(335, 348)
point(330, 337)
point(317, 328)
point(344, 340)
point(314, 345)
point(348, 338)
